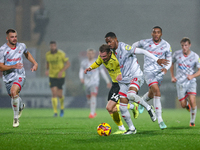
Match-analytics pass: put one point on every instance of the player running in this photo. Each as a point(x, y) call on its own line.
point(91, 80)
point(11, 63)
point(131, 78)
point(186, 63)
point(153, 72)
point(108, 59)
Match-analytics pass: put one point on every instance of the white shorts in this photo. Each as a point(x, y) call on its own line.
point(153, 78)
point(93, 89)
point(20, 81)
point(184, 91)
point(136, 82)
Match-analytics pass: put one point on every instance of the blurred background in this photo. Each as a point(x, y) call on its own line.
point(81, 24)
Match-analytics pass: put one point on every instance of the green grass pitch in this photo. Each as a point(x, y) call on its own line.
point(39, 130)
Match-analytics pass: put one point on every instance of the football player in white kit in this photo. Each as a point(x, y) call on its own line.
point(91, 80)
point(11, 63)
point(153, 72)
point(186, 63)
point(131, 78)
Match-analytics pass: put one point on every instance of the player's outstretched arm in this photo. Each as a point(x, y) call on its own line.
point(66, 66)
point(161, 62)
point(6, 67)
point(31, 59)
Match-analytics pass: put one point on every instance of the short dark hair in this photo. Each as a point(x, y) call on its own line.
point(10, 30)
point(158, 28)
point(185, 39)
point(53, 42)
point(110, 34)
point(104, 48)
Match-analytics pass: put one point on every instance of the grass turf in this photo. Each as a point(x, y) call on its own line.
point(39, 130)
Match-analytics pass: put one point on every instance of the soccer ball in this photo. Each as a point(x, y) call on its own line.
point(104, 129)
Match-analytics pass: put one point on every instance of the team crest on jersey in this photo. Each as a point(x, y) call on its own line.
point(149, 45)
point(128, 47)
point(7, 53)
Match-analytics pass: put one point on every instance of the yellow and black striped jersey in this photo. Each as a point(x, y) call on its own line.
point(112, 66)
point(56, 63)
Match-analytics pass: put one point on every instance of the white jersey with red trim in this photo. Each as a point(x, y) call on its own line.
point(92, 77)
point(185, 65)
point(129, 66)
point(161, 50)
point(10, 57)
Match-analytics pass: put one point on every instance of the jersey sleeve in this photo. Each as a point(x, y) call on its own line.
point(1, 56)
point(25, 48)
point(198, 61)
point(65, 59)
point(169, 51)
point(139, 43)
point(97, 63)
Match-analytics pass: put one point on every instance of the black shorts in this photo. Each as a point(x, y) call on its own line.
point(58, 82)
point(113, 93)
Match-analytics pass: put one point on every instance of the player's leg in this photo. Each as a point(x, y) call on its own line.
point(157, 104)
point(193, 110)
point(14, 92)
point(93, 101)
point(113, 99)
point(192, 100)
point(54, 100)
point(112, 110)
point(182, 96)
point(146, 98)
point(61, 99)
point(60, 95)
point(126, 115)
point(135, 85)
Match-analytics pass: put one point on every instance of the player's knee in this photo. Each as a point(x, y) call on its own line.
point(109, 109)
point(13, 93)
point(131, 95)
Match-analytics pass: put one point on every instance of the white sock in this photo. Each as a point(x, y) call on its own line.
point(15, 106)
point(140, 101)
point(193, 113)
point(126, 115)
point(158, 108)
point(121, 127)
point(20, 103)
point(93, 101)
point(145, 97)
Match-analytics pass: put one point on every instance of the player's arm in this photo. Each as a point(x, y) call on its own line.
point(81, 74)
point(161, 62)
point(190, 77)
point(47, 69)
point(95, 65)
point(6, 67)
point(105, 77)
point(32, 60)
point(66, 66)
point(173, 79)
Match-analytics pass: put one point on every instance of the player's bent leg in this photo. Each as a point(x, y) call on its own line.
point(111, 105)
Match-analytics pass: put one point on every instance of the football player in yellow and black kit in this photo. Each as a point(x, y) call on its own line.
point(57, 63)
point(108, 59)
